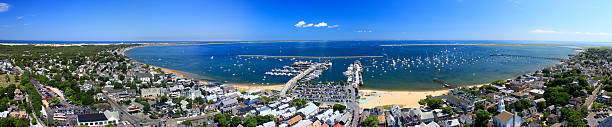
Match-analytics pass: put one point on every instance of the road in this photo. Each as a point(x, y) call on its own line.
point(589, 103)
point(125, 115)
point(34, 112)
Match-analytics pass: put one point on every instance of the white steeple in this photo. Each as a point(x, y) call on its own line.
point(501, 107)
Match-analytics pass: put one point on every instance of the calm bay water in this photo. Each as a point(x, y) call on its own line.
point(401, 68)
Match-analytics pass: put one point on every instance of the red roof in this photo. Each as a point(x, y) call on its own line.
point(338, 125)
point(17, 91)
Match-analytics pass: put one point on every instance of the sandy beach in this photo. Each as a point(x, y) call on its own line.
point(406, 99)
point(250, 87)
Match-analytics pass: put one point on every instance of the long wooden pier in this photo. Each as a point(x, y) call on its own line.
point(312, 57)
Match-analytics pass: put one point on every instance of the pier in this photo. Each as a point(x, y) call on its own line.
point(312, 57)
point(353, 74)
point(536, 57)
point(291, 83)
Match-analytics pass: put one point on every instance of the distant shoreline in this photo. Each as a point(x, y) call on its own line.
point(477, 44)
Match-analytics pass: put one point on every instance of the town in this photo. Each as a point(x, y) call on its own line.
point(99, 86)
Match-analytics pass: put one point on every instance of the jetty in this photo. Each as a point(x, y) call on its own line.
point(536, 57)
point(312, 57)
point(291, 83)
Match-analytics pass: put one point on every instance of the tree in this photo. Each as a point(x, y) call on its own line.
point(188, 123)
point(339, 107)
point(236, 121)
point(222, 119)
point(435, 103)
point(298, 102)
point(492, 109)
point(556, 96)
point(541, 106)
point(121, 77)
point(519, 105)
point(498, 82)
point(479, 106)
point(482, 118)
point(371, 121)
point(448, 110)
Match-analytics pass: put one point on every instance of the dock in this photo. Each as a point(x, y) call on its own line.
point(312, 57)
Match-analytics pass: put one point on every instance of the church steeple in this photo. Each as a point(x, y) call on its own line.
point(500, 106)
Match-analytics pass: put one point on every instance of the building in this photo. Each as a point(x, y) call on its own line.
point(152, 92)
point(94, 120)
point(461, 99)
point(504, 118)
point(18, 95)
point(20, 114)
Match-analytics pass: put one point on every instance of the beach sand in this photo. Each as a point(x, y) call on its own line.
point(250, 87)
point(405, 99)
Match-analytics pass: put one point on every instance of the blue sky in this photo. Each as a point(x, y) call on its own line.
point(229, 20)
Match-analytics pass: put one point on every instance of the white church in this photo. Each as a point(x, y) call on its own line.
point(504, 118)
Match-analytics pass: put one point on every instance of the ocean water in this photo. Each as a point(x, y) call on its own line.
point(400, 68)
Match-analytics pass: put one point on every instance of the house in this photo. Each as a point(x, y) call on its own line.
point(20, 114)
point(18, 95)
point(452, 123)
point(294, 120)
point(303, 123)
point(576, 101)
point(144, 77)
point(152, 92)
point(310, 110)
point(603, 99)
point(516, 85)
point(461, 99)
point(112, 116)
point(94, 120)
point(228, 103)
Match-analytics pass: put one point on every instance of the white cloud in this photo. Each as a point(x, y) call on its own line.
point(26, 24)
point(303, 24)
point(543, 31)
point(321, 24)
point(363, 31)
point(594, 34)
point(4, 7)
point(19, 17)
point(300, 24)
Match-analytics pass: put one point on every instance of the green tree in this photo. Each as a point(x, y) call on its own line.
point(482, 118)
point(339, 107)
point(235, 121)
point(479, 106)
point(371, 121)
